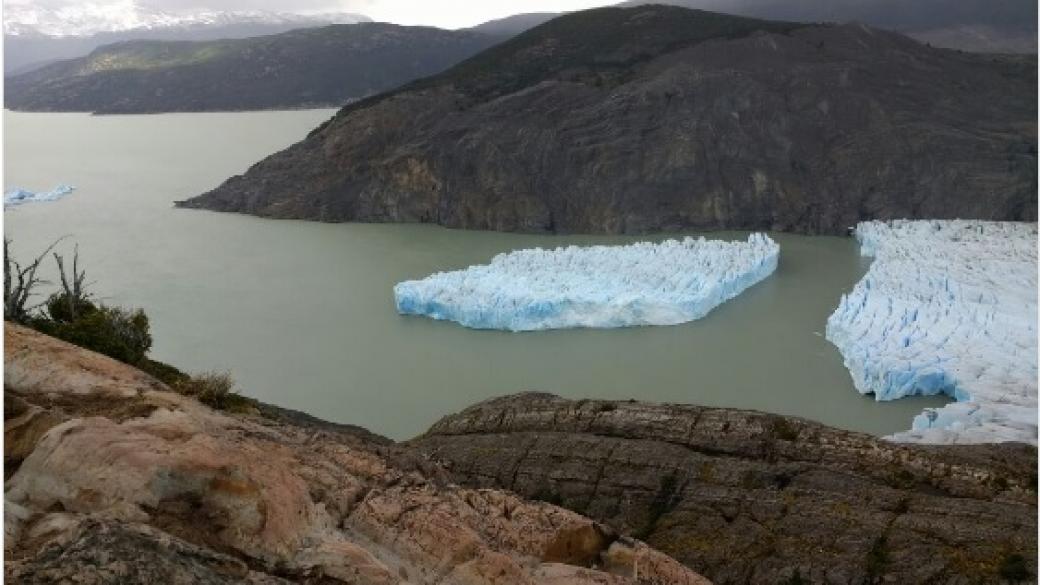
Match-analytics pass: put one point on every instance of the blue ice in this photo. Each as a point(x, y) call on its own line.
point(947, 307)
point(645, 283)
point(18, 196)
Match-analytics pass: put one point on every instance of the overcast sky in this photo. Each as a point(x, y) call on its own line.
point(442, 13)
point(460, 13)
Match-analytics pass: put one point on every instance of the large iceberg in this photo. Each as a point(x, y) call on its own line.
point(598, 286)
point(947, 307)
point(17, 196)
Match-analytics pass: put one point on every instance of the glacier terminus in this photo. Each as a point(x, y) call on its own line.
point(947, 307)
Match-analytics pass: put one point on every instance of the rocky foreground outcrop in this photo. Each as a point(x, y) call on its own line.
point(112, 478)
point(657, 118)
point(747, 497)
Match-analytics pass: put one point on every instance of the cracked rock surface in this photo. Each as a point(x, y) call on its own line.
point(112, 478)
point(748, 497)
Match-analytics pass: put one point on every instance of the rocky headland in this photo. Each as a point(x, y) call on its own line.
point(629, 120)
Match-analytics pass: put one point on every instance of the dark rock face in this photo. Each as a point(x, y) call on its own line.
point(326, 66)
point(103, 552)
point(747, 497)
point(661, 118)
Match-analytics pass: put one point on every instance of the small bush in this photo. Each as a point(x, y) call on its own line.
point(216, 390)
point(548, 494)
point(163, 372)
point(785, 430)
point(121, 334)
point(796, 579)
point(877, 559)
point(902, 506)
point(65, 308)
point(1014, 568)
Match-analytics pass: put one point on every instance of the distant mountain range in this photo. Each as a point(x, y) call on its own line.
point(93, 18)
point(971, 25)
point(35, 36)
point(658, 118)
point(324, 66)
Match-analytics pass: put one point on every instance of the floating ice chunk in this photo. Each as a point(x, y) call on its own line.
point(598, 286)
point(947, 307)
point(17, 196)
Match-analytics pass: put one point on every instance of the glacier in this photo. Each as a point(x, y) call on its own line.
point(947, 307)
point(18, 196)
point(644, 283)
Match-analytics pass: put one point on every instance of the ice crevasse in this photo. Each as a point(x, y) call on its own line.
point(645, 283)
point(947, 307)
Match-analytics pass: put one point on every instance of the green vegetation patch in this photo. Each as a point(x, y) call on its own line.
point(144, 55)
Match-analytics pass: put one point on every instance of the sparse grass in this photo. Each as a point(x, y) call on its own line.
point(216, 390)
point(163, 372)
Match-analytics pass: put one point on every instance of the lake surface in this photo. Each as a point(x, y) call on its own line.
point(302, 313)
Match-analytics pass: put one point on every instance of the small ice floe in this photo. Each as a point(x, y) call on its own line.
point(18, 196)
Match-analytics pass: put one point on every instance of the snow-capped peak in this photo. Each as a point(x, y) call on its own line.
point(88, 18)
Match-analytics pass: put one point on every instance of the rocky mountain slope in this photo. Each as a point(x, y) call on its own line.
point(653, 118)
point(970, 25)
point(307, 67)
point(747, 497)
point(112, 478)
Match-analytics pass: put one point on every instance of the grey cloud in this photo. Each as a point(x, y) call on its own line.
point(298, 6)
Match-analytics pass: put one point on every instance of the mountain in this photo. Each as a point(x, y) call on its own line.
point(515, 24)
point(655, 118)
point(306, 67)
point(971, 25)
point(34, 36)
point(88, 19)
